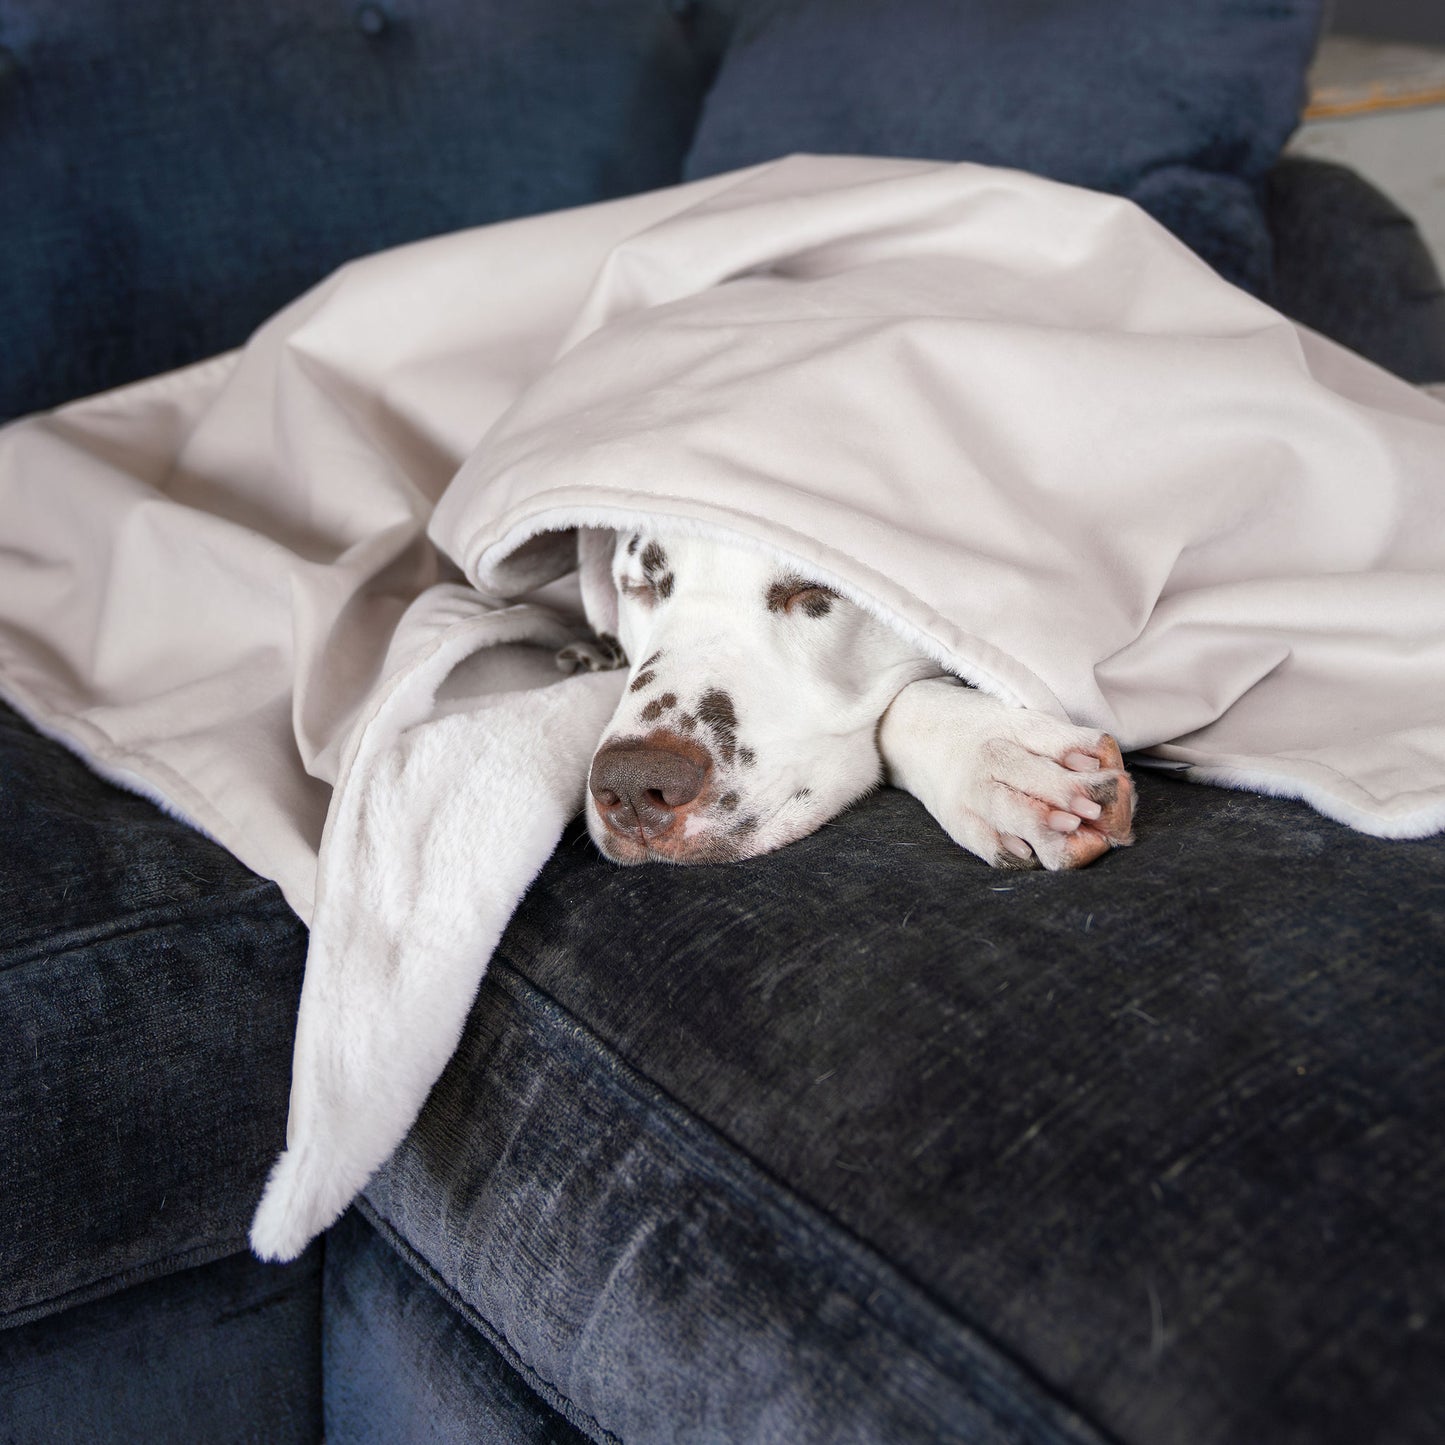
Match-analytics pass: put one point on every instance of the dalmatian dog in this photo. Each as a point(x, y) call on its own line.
point(760, 704)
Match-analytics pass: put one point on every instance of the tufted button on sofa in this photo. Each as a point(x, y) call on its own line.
point(855, 1141)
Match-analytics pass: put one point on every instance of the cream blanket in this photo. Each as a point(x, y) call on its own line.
point(290, 592)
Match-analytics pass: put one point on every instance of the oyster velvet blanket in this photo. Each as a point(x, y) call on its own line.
point(308, 594)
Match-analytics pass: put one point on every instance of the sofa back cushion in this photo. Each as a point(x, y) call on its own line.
point(1183, 107)
point(173, 172)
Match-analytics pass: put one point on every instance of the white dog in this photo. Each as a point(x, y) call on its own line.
point(761, 703)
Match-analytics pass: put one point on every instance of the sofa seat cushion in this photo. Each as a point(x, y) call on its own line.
point(864, 1130)
point(403, 1365)
point(148, 990)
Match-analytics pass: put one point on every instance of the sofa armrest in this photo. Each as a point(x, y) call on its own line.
point(1351, 263)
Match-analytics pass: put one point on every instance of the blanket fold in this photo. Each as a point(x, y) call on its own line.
point(452, 792)
point(309, 594)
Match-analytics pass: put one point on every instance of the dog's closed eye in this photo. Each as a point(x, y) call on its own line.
point(795, 594)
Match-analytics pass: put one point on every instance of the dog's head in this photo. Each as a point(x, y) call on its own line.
point(752, 707)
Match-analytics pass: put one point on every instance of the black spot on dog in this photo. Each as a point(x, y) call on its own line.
point(633, 543)
point(803, 793)
point(747, 757)
point(658, 706)
point(728, 802)
point(716, 710)
point(747, 825)
point(686, 722)
point(778, 593)
point(656, 578)
point(643, 679)
point(651, 660)
point(814, 599)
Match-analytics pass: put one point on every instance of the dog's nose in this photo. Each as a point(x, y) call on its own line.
point(640, 786)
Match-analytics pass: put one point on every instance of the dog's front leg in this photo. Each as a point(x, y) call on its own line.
point(1017, 787)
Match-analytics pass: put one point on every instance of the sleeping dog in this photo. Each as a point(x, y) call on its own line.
point(761, 703)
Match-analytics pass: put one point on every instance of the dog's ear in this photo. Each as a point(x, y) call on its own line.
point(595, 546)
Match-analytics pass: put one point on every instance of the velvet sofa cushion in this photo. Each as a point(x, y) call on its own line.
point(148, 992)
point(1182, 107)
point(172, 177)
point(227, 1353)
point(402, 1364)
point(174, 173)
point(863, 1130)
point(1350, 263)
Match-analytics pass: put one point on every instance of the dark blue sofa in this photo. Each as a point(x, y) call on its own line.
point(857, 1141)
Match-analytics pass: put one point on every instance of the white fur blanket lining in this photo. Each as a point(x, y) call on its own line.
point(308, 595)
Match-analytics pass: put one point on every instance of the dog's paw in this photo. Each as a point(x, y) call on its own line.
point(605, 654)
point(1035, 802)
point(1019, 788)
